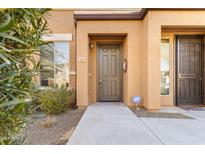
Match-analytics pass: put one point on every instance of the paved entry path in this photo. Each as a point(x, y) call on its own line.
point(112, 123)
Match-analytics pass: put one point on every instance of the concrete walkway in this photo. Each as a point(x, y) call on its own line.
point(111, 123)
point(179, 131)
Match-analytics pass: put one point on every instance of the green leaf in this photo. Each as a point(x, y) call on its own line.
point(7, 24)
point(3, 35)
point(4, 58)
point(4, 48)
point(14, 102)
point(20, 37)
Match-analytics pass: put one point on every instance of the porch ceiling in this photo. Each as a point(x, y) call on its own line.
point(107, 37)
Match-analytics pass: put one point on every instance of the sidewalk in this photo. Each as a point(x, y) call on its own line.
point(114, 123)
point(111, 123)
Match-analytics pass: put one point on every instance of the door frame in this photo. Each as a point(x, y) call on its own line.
point(176, 66)
point(98, 68)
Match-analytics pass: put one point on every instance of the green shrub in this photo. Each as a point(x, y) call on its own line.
point(35, 95)
point(55, 99)
point(21, 33)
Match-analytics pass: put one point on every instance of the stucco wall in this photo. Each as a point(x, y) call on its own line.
point(157, 20)
point(125, 74)
point(168, 100)
point(92, 63)
point(169, 33)
point(141, 47)
point(92, 71)
point(62, 22)
point(144, 62)
point(131, 28)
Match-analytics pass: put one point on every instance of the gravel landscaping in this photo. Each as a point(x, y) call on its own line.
point(191, 108)
point(148, 114)
point(51, 130)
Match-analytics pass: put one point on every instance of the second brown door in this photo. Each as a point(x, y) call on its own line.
point(189, 70)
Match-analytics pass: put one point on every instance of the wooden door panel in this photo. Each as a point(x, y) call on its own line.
point(105, 88)
point(109, 72)
point(189, 70)
point(113, 87)
point(105, 68)
point(113, 68)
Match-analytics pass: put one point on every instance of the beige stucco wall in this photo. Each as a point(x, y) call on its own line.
point(125, 74)
point(122, 39)
point(169, 100)
point(62, 22)
point(157, 20)
point(144, 62)
point(92, 63)
point(131, 29)
point(141, 47)
point(92, 70)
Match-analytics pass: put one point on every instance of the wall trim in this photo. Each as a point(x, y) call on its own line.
point(57, 37)
point(72, 73)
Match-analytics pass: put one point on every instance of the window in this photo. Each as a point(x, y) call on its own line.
point(54, 63)
point(164, 85)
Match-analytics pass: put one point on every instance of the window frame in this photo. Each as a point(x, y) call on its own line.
point(57, 38)
point(169, 40)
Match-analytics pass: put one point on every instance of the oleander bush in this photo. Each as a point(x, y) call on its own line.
point(21, 33)
point(55, 100)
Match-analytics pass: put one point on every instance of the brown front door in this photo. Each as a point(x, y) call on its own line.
point(109, 72)
point(189, 70)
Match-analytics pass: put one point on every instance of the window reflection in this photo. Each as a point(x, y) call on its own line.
point(164, 67)
point(54, 63)
point(47, 64)
point(61, 62)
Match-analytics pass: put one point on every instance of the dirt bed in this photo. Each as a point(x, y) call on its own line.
point(51, 130)
point(147, 114)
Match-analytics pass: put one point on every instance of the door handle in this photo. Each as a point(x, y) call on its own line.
point(100, 81)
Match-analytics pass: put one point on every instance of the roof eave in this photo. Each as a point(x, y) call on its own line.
point(122, 16)
point(128, 16)
point(133, 16)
